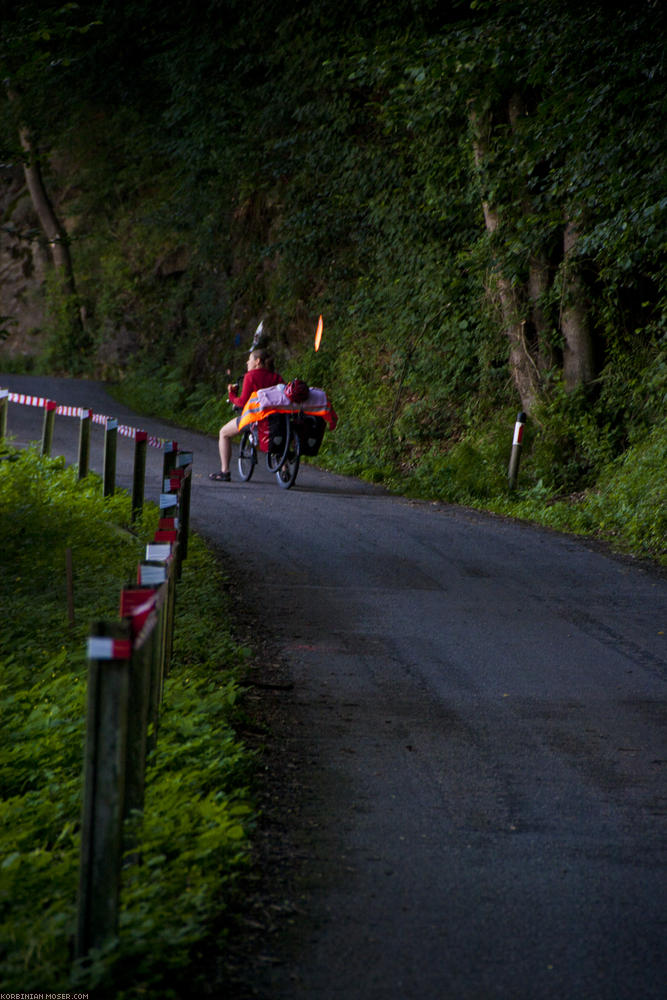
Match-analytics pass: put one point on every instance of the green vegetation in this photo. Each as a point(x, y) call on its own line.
point(473, 197)
point(179, 896)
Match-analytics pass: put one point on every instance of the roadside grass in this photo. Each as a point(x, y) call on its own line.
point(194, 840)
point(623, 505)
point(626, 506)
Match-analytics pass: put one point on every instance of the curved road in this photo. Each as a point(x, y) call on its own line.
point(479, 711)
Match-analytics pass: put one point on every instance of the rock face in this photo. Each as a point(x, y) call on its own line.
point(23, 267)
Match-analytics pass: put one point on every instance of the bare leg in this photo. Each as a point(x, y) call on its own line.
point(227, 432)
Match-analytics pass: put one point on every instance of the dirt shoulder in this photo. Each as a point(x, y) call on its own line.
point(270, 902)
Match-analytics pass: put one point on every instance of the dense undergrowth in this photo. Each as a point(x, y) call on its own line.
point(192, 858)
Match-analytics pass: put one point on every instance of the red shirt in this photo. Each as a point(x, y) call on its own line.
point(258, 378)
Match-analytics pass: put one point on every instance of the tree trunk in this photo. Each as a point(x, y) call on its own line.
point(55, 234)
point(522, 366)
point(73, 343)
point(53, 230)
point(538, 286)
point(578, 358)
point(538, 268)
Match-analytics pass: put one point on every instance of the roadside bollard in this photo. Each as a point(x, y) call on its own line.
point(516, 450)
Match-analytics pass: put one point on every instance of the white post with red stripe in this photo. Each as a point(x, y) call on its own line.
point(517, 443)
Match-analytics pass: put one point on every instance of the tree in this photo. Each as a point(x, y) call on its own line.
point(30, 50)
point(525, 373)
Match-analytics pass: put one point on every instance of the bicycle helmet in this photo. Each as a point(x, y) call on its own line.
point(297, 391)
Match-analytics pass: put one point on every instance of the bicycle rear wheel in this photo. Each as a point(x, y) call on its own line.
point(247, 455)
point(279, 435)
point(286, 474)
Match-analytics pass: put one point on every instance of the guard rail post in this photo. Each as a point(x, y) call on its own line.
point(137, 606)
point(84, 442)
point(177, 485)
point(110, 443)
point(155, 573)
point(139, 475)
point(137, 723)
point(47, 426)
point(109, 651)
point(184, 460)
point(172, 576)
point(154, 654)
point(169, 460)
point(161, 563)
point(4, 404)
point(170, 552)
point(148, 648)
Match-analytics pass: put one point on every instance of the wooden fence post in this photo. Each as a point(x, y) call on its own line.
point(172, 574)
point(47, 426)
point(139, 476)
point(162, 559)
point(109, 651)
point(84, 442)
point(184, 460)
point(155, 573)
point(137, 722)
point(140, 605)
point(169, 460)
point(4, 404)
point(155, 656)
point(144, 605)
point(110, 440)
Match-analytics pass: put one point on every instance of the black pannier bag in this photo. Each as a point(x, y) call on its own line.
point(277, 432)
point(311, 431)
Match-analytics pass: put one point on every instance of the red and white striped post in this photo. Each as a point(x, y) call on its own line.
point(517, 443)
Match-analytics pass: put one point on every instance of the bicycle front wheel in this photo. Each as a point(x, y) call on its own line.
point(247, 455)
point(286, 474)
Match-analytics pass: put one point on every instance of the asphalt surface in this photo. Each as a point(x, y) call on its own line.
point(476, 709)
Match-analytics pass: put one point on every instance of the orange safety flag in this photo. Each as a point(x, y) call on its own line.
point(318, 334)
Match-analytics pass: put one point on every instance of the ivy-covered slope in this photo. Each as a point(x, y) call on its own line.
point(474, 200)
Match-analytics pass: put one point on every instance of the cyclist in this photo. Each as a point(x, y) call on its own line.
point(260, 375)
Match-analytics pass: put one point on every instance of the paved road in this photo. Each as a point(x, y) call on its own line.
point(479, 707)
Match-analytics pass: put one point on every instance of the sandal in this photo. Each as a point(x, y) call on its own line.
point(220, 477)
